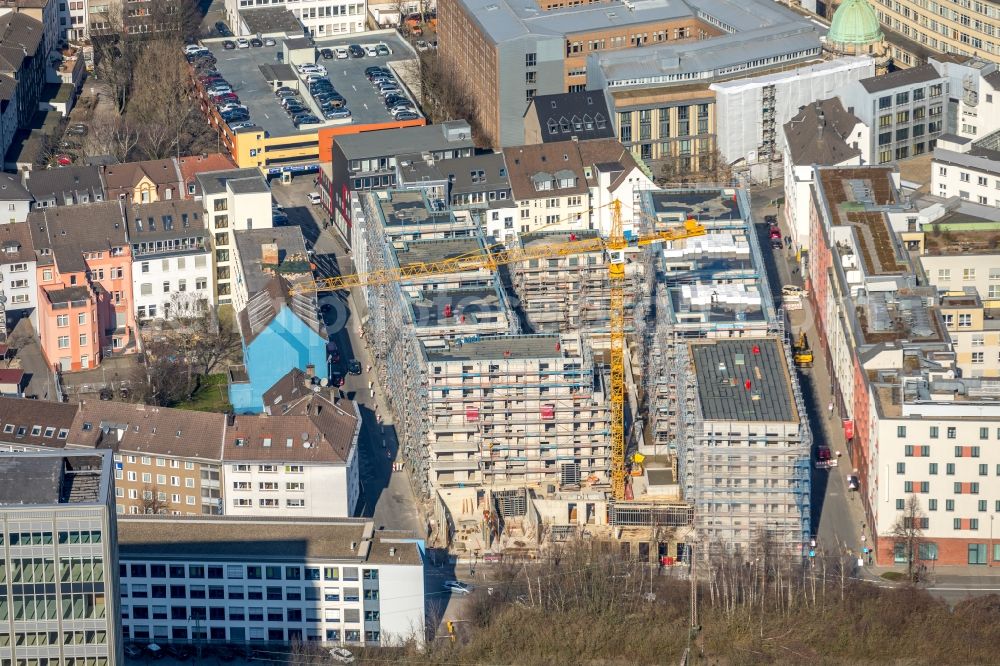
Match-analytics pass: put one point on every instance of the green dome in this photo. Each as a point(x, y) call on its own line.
point(854, 22)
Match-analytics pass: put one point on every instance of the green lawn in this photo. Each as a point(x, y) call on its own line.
point(212, 395)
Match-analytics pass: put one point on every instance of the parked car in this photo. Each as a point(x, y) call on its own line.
point(225, 97)
point(407, 115)
point(154, 651)
point(371, 51)
point(269, 41)
point(326, 53)
point(236, 127)
point(336, 379)
point(774, 231)
point(776, 244)
point(222, 29)
point(356, 51)
point(371, 72)
point(314, 198)
point(457, 587)
point(193, 48)
point(383, 50)
point(422, 45)
point(391, 90)
point(284, 91)
point(342, 655)
point(63, 160)
point(354, 366)
point(133, 651)
point(256, 43)
point(296, 110)
point(279, 218)
point(771, 219)
point(242, 43)
point(290, 101)
point(337, 114)
point(341, 53)
point(79, 129)
point(305, 119)
point(229, 45)
point(232, 106)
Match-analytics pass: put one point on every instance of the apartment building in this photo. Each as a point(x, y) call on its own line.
point(171, 259)
point(476, 182)
point(144, 182)
point(269, 580)
point(65, 186)
point(173, 461)
point(747, 408)
point(515, 410)
point(18, 269)
point(319, 18)
point(58, 523)
point(368, 160)
point(260, 254)
point(568, 116)
point(84, 272)
point(820, 134)
point(573, 185)
point(957, 256)
point(233, 200)
point(906, 111)
point(15, 199)
point(974, 332)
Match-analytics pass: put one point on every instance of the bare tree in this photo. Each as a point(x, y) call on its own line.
point(443, 96)
point(111, 134)
point(195, 332)
point(152, 502)
point(115, 52)
point(908, 532)
point(163, 111)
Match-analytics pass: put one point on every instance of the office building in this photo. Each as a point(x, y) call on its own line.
point(260, 580)
point(60, 560)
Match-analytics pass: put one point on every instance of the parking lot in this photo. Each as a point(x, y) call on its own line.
point(241, 69)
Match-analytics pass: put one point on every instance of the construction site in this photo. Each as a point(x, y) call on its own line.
point(537, 399)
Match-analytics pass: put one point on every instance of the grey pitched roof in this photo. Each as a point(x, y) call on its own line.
point(45, 184)
point(818, 134)
point(11, 188)
point(20, 32)
point(460, 170)
point(900, 78)
point(69, 231)
point(581, 115)
point(176, 218)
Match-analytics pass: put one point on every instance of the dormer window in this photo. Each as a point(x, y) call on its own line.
point(553, 126)
point(601, 122)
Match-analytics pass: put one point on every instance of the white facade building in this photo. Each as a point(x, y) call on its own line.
point(975, 94)
point(171, 259)
point(19, 284)
point(241, 581)
point(301, 461)
point(968, 172)
point(233, 200)
point(321, 18)
point(746, 108)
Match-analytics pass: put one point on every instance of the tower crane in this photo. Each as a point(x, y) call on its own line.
point(614, 246)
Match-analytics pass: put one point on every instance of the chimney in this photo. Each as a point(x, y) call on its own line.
point(269, 253)
point(311, 370)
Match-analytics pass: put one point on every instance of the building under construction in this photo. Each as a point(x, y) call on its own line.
point(744, 457)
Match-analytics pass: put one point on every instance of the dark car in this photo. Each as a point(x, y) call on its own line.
point(282, 91)
point(393, 100)
point(79, 129)
point(326, 53)
point(256, 43)
point(178, 652)
point(235, 116)
point(221, 28)
point(336, 379)
point(771, 219)
point(371, 71)
point(356, 51)
point(354, 366)
point(407, 115)
point(305, 119)
point(133, 651)
point(335, 355)
point(229, 45)
point(776, 243)
point(296, 110)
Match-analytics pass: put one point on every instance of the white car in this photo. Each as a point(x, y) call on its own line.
point(269, 41)
point(232, 106)
point(457, 587)
point(371, 51)
point(312, 69)
point(193, 48)
point(241, 126)
point(342, 655)
point(315, 199)
point(242, 43)
point(341, 52)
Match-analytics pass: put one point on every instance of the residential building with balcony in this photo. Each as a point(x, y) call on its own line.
point(84, 272)
point(172, 271)
point(233, 200)
point(60, 602)
point(269, 580)
point(15, 199)
point(18, 275)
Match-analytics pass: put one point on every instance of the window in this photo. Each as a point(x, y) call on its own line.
point(932, 505)
point(952, 433)
point(934, 432)
point(949, 505)
point(949, 469)
point(901, 469)
point(900, 504)
point(977, 551)
point(530, 59)
point(933, 468)
point(63, 342)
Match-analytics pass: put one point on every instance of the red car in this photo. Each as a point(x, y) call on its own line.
point(774, 232)
point(64, 160)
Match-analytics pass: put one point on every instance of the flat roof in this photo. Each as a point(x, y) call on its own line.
point(292, 256)
point(241, 68)
point(449, 135)
point(435, 249)
point(901, 78)
point(702, 205)
point(278, 538)
point(51, 478)
point(406, 207)
point(723, 368)
point(466, 306)
point(500, 347)
point(240, 181)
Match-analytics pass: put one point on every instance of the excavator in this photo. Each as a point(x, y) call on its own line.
point(801, 352)
point(614, 246)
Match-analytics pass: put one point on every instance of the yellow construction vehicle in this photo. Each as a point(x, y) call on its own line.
point(801, 352)
point(615, 246)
